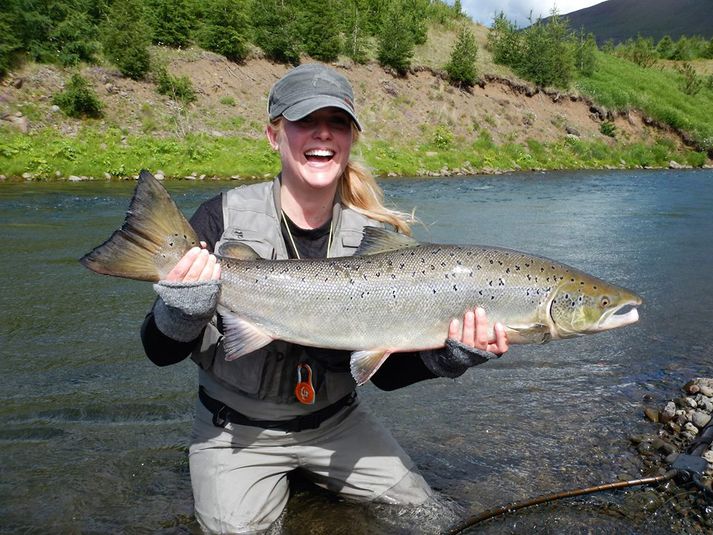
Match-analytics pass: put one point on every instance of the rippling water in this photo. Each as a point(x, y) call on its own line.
point(93, 437)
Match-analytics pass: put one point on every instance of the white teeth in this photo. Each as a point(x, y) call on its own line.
point(320, 152)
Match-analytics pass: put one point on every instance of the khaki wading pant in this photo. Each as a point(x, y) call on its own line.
point(239, 473)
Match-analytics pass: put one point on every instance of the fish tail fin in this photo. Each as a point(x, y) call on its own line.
point(154, 237)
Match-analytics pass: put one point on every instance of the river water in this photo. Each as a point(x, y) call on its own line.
point(93, 437)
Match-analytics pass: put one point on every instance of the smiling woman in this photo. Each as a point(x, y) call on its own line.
point(283, 405)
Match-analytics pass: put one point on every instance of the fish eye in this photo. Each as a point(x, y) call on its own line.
point(605, 302)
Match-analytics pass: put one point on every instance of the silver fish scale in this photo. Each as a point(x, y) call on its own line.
point(402, 299)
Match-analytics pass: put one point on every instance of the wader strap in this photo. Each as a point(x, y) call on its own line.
point(223, 414)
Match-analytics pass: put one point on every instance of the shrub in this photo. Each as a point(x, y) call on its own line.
point(547, 57)
point(691, 83)
point(608, 128)
point(178, 88)
point(461, 66)
point(78, 99)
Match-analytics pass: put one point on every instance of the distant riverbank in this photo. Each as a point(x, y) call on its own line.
point(92, 154)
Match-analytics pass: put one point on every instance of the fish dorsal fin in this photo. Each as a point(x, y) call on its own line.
point(364, 364)
point(378, 240)
point(237, 251)
point(241, 336)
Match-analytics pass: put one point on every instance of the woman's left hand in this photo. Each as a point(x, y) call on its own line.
point(476, 332)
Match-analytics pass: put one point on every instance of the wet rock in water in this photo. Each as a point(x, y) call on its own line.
point(668, 413)
point(652, 414)
point(700, 419)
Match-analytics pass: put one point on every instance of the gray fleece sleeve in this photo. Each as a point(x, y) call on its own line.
point(183, 309)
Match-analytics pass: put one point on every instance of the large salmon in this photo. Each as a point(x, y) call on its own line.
point(395, 294)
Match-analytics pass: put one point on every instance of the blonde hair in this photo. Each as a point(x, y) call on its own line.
point(359, 191)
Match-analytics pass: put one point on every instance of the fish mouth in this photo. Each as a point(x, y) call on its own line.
point(624, 314)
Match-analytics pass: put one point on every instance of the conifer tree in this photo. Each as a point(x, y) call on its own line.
point(585, 58)
point(319, 28)
point(664, 48)
point(504, 42)
point(461, 66)
point(355, 18)
point(126, 38)
point(395, 39)
point(276, 31)
point(225, 29)
point(171, 22)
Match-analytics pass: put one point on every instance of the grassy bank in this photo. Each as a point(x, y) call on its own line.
point(657, 91)
point(48, 155)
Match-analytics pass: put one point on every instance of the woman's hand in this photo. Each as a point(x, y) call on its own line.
point(196, 265)
point(476, 332)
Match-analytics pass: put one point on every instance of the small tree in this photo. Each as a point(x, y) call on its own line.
point(225, 29)
point(78, 99)
point(664, 48)
point(395, 40)
point(547, 57)
point(585, 53)
point(126, 38)
point(691, 83)
point(355, 28)
point(504, 41)
point(461, 66)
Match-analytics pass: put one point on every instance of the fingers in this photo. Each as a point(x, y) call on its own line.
point(476, 332)
point(482, 333)
point(500, 345)
point(196, 265)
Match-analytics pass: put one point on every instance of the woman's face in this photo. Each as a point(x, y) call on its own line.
point(314, 150)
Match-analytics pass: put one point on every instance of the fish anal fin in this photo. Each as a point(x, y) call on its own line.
point(364, 364)
point(241, 336)
point(377, 240)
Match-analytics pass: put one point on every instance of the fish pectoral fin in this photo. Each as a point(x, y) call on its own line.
point(377, 240)
point(537, 333)
point(365, 363)
point(242, 337)
point(237, 251)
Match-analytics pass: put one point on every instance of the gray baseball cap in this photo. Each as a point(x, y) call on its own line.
point(308, 88)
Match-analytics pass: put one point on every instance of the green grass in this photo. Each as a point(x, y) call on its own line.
point(621, 85)
point(48, 155)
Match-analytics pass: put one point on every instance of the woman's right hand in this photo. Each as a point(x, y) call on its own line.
point(196, 265)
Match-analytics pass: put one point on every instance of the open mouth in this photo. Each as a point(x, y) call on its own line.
point(626, 314)
point(319, 155)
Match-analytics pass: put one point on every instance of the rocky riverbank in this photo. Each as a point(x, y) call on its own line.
point(680, 421)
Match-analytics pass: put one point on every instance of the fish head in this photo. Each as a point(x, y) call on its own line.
point(587, 305)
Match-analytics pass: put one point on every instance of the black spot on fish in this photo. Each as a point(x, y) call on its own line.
point(455, 288)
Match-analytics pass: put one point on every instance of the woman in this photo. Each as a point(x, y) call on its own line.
point(284, 406)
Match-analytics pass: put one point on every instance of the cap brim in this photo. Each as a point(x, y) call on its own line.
point(303, 108)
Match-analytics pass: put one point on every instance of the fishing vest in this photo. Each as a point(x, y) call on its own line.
point(251, 215)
